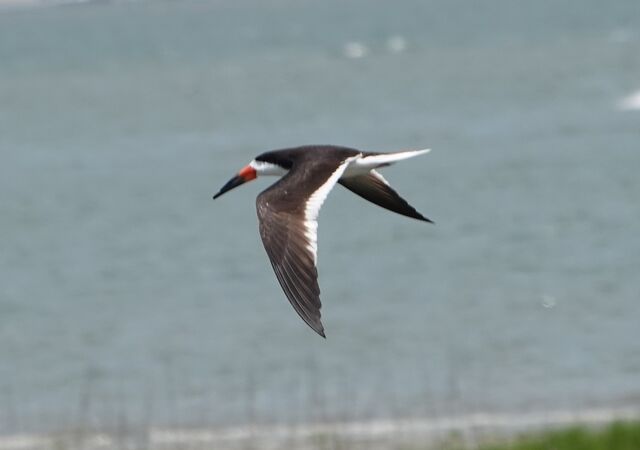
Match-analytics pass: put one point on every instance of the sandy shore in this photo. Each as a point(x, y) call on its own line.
point(375, 434)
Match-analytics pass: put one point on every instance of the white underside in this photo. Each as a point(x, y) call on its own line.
point(350, 167)
point(357, 165)
point(354, 166)
point(365, 164)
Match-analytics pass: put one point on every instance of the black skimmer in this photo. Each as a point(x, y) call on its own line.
point(288, 209)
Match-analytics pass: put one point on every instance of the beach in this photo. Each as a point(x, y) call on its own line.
point(129, 299)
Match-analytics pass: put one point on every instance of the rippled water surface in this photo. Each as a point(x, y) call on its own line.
point(125, 291)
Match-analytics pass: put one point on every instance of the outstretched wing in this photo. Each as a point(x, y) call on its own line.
point(373, 187)
point(288, 212)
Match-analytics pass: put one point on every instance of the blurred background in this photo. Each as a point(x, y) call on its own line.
point(127, 296)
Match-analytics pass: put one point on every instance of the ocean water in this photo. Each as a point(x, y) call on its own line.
point(128, 296)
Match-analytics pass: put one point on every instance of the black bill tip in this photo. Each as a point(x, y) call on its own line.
point(232, 183)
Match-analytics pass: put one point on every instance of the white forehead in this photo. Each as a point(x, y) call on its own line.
point(265, 168)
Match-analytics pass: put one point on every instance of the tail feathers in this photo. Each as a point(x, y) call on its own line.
point(384, 159)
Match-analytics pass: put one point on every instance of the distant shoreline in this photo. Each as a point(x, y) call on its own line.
point(371, 434)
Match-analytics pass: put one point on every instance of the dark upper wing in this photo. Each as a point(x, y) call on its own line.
point(374, 187)
point(290, 252)
point(287, 212)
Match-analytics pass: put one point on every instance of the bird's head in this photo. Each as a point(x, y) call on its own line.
point(250, 172)
point(247, 173)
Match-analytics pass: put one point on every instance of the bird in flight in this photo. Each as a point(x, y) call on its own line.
point(288, 209)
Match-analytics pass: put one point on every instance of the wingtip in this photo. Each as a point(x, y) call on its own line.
point(426, 219)
point(420, 217)
point(315, 325)
point(320, 331)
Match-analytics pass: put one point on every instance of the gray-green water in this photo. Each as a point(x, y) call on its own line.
point(126, 293)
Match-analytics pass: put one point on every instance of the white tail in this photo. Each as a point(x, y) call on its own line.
point(374, 161)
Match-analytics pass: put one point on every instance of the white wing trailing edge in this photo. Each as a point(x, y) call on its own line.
point(314, 203)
